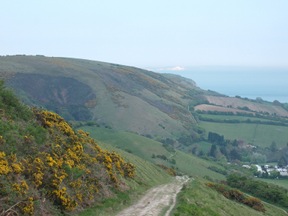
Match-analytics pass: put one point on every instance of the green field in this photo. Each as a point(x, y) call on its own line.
point(204, 146)
point(234, 117)
point(280, 182)
point(256, 134)
point(145, 148)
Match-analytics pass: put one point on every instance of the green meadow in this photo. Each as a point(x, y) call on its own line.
point(256, 134)
point(145, 148)
point(239, 118)
point(280, 182)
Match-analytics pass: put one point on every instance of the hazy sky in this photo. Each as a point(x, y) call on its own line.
point(175, 36)
point(149, 33)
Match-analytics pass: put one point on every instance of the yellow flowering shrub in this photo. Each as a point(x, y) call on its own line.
point(28, 207)
point(50, 120)
point(17, 167)
point(4, 165)
point(50, 161)
point(69, 170)
point(62, 197)
point(21, 187)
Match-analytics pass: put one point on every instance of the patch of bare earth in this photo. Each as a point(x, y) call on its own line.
point(157, 200)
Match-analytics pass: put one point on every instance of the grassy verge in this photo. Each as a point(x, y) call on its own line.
point(198, 199)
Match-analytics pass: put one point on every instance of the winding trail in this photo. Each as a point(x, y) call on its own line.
point(157, 199)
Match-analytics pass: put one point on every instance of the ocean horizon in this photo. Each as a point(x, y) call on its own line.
point(267, 83)
point(282, 99)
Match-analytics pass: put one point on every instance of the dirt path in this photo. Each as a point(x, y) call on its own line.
point(156, 200)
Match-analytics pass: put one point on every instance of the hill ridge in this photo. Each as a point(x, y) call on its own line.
point(119, 93)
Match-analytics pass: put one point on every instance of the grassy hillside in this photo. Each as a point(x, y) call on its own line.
point(147, 175)
point(126, 98)
point(130, 111)
point(108, 94)
point(146, 148)
point(47, 168)
point(198, 199)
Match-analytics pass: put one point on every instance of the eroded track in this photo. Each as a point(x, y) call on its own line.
point(157, 200)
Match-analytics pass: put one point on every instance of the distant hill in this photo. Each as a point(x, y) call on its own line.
point(121, 97)
point(117, 96)
point(98, 97)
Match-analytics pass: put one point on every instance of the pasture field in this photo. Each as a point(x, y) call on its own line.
point(203, 146)
point(145, 148)
point(256, 134)
point(234, 117)
point(195, 166)
point(280, 182)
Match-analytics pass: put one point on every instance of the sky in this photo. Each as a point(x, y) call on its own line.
point(154, 34)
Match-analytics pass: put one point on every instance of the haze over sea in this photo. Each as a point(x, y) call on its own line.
point(268, 83)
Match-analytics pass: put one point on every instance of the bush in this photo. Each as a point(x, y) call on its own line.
point(238, 196)
point(269, 192)
point(54, 163)
point(169, 170)
point(254, 203)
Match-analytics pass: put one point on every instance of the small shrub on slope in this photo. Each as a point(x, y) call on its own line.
point(169, 170)
point(238, 196)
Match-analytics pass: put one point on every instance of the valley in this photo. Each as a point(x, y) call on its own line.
point(163, 124)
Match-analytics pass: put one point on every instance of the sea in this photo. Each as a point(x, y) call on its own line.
point(268, 83)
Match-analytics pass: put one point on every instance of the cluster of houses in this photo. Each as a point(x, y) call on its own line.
point(268, 169)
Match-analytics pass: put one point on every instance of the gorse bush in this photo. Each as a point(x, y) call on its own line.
point(171, 171)
point(238, 196)
point(269, 192)
point(47, 166)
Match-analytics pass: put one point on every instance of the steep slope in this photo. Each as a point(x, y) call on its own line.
point(121, 97)
point(196, 198)
point(155, 152)
point(46, 167)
